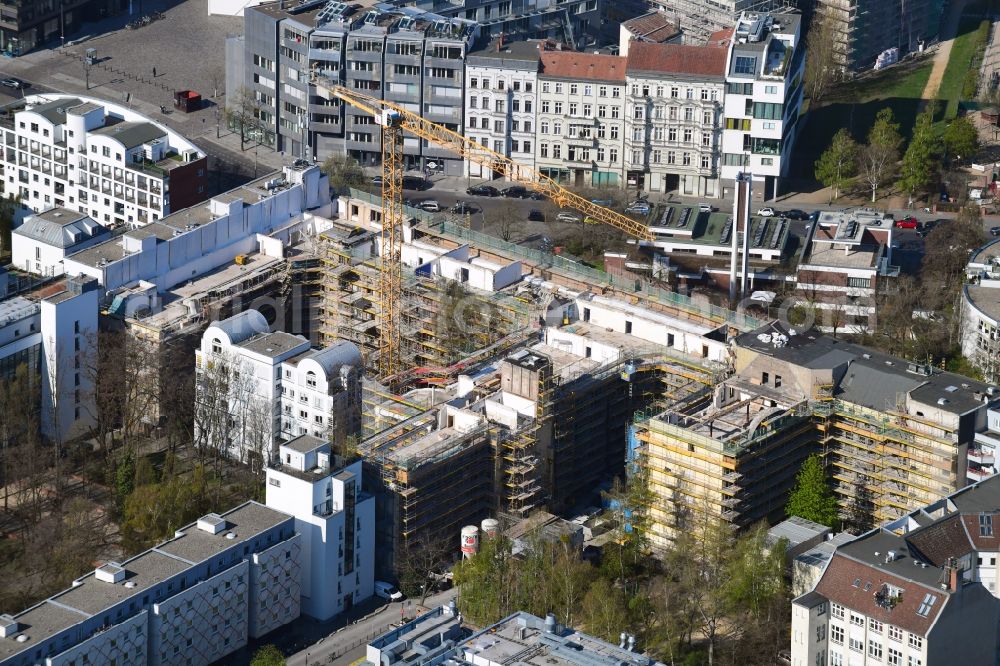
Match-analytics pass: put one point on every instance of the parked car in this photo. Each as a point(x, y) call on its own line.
point(515, 192)
point(463, 207)
point(430, 205)
point(607, 203)
point(483, 191)
point(415, 183)
point(995, 231)
point(566, 216)
point(17, 84)
point(387, 591)
point(796, 214)
point(640, 207)
point(536, 215)
point(906, 223)
point(535, 196)
point(766, 211)
point(706, 208)
point(377, 180)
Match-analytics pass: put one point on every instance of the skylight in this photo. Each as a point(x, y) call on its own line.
point(926, 605)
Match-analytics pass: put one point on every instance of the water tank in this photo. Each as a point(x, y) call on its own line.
point(490, 527)
point(470, 541)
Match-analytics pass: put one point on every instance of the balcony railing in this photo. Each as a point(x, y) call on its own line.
point(980, 456)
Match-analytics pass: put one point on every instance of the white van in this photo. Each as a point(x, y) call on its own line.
point(387, 591)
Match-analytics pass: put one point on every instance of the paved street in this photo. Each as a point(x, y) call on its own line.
point(347, 644)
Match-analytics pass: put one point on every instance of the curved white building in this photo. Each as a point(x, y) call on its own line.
point(981, 311)
point(276, 388)
point(100, 159)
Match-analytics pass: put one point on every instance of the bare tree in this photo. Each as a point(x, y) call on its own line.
point(245, 112)
point(417, 563)
point(821, 58)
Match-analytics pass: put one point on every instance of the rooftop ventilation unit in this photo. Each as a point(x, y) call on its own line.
point(112, 572)
point(212, 523)
point(8, 626)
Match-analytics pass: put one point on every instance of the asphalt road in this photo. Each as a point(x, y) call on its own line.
point(347, 644)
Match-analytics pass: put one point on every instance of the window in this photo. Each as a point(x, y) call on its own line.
point(836, 659)
point(820, 633)
point(875, 649)
point(895, 657)
point(986, 524)
point(770, 90)
point(873, 624)
point(216, 346)
point(836, 634)
point(856, 644)
point(926, 605)
point(856, 619)
point(914, 661)
point(745, 65)
point(916, 642)
point(895, 634)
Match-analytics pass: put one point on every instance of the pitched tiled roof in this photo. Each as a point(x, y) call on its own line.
point(990, 541)
point(654, 26)
point(837, 585)
point(708, 61)
point(588, 66)
point(941, 540)
point(720, 37)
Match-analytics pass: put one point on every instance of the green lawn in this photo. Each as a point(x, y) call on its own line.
point(966, 55)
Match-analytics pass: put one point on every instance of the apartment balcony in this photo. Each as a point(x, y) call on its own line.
point(980, 456)
point(974, 474)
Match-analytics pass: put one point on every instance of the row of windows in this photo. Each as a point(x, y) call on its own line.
point(704, 94)
point(501, 84)
point(587, 89)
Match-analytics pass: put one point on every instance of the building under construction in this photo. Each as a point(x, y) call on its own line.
point(894, 434)
point(443, 321)
point(700, 18)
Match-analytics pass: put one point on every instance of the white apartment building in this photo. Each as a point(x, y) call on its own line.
point(844, 257)
point(98, 158)
point(50, 333)
point(674, 111)
point(44, 239)
point(764, 72)
point(194, 599)
point(338, 535)
point(501, 102)
point(981, 310)
point(581, 118)
point(257, 388)
point(919, 591)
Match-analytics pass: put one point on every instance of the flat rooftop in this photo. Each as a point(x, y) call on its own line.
point(273, 344)
point(984, 298)
point(686, 224)
point(833, 256)
point(15, 309)
point(246, 522)
point(522, 638)
point(39, 623)
point(145, 570)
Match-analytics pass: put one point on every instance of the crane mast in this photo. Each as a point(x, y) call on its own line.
point(394, 120)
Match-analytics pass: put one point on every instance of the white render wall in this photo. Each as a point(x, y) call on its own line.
point(494, 128)
point(204, 623)
point(123, 644)
point(599, 108)
point(69, 334)
point(320, 510)
point(678, 134)
point(42, 168)
point(275, 586)
point(215, 243)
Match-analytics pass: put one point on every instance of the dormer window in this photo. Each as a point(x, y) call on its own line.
point(216, 346)
point(311, 379)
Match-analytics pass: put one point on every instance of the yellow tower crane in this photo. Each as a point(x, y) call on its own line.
point(394, 120)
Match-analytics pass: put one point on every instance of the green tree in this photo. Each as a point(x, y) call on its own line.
point(8, 210)
point(920, 160)
point(604, 611)
point(877, 160)
point(838, 164)
point(961, 139)
point(812, 498)
point(268, 655)
point(344, 173)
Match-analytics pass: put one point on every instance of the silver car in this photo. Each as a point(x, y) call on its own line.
point(568, 217)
